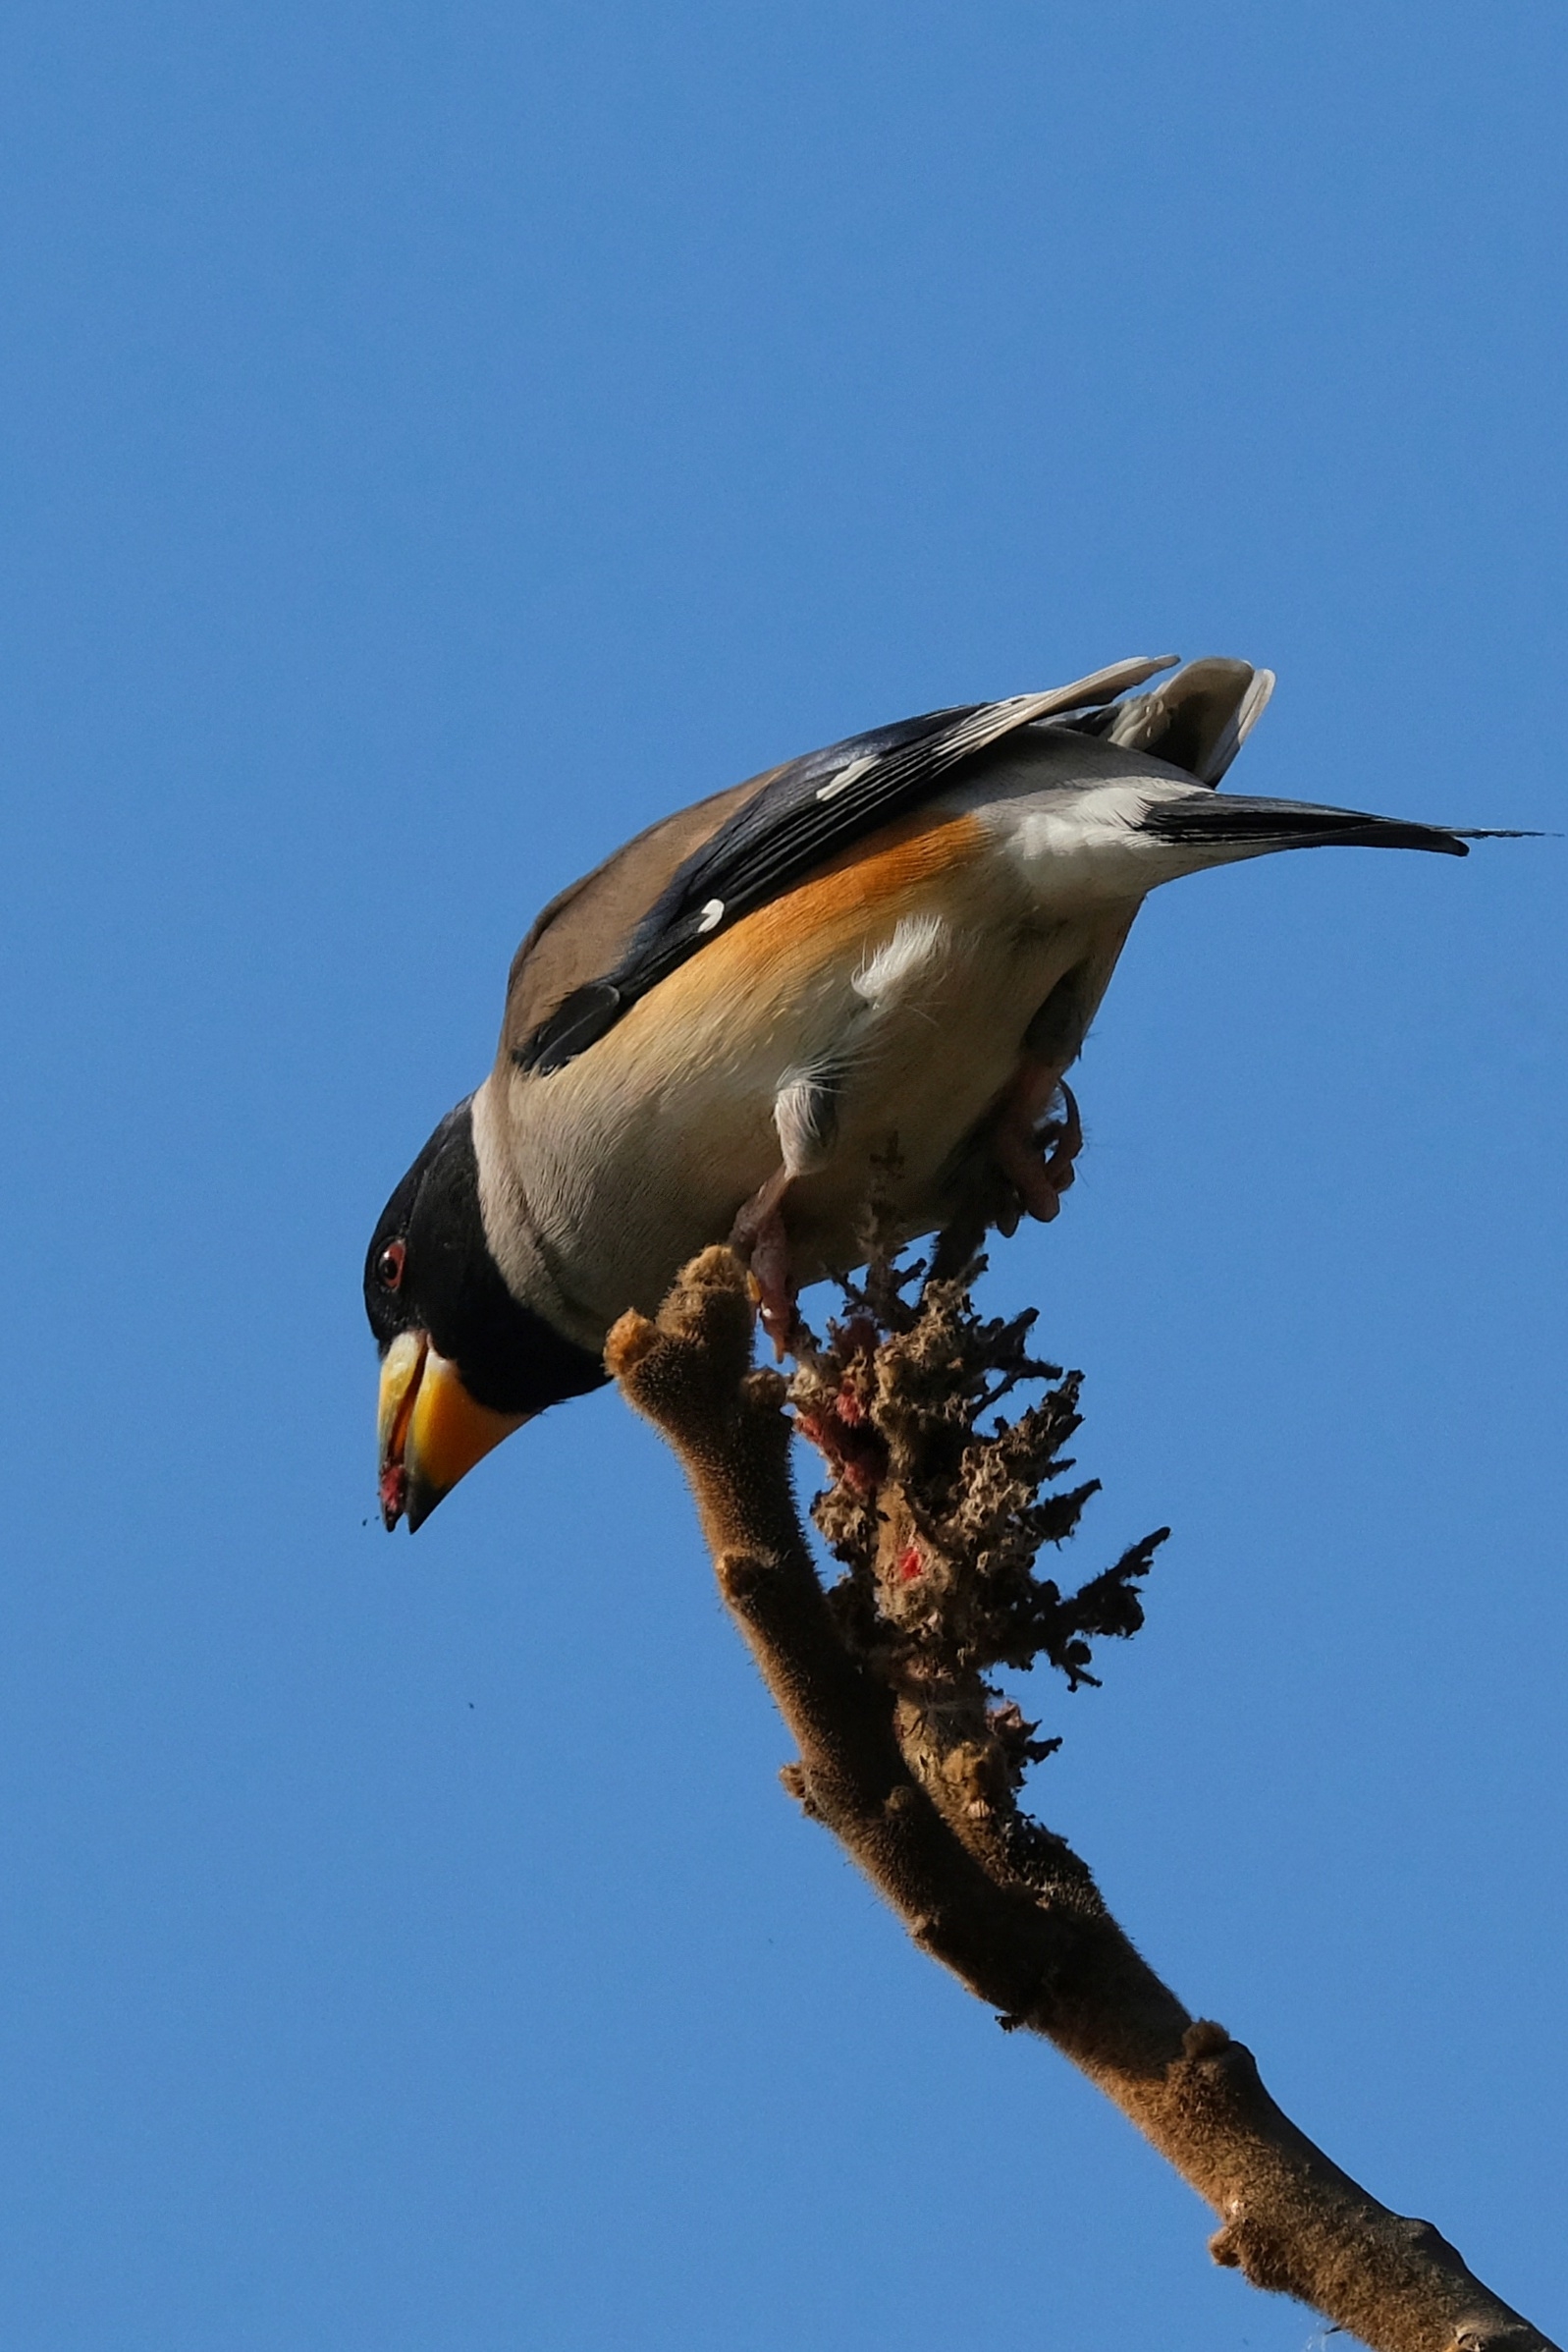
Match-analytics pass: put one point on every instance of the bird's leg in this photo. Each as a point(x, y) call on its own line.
point(805, 1113)
point(1035, 1151)
point(758, 1236)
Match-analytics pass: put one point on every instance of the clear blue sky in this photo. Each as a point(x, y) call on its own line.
point(439, 440)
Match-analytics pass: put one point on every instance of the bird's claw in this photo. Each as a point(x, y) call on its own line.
point(1038, 1160)
point(759, 1236)
point(775, 1301)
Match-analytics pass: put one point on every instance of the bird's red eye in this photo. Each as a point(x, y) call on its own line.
point(389, 1266)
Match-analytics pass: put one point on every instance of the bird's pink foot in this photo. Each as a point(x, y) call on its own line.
point(759, 1237)
point(770, 1274)
point(1035, 1147)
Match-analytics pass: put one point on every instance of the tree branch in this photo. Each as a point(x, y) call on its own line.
point(902, 1758)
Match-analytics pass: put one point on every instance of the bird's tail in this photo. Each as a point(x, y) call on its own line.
point(1224, 822)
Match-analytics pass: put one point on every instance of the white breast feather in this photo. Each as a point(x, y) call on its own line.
point(916, 943)
point(804, 1111)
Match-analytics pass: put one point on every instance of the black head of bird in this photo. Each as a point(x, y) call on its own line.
point(463, 1363)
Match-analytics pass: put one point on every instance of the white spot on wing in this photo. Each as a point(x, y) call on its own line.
point(712, 914)
point(846, 776)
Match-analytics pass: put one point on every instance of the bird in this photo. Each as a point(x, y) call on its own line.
point(863, 973)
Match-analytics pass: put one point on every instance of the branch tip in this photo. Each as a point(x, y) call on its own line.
point(628, 1340)
point(1204, 2039)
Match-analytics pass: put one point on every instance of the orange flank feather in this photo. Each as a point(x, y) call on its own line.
point(869, 885)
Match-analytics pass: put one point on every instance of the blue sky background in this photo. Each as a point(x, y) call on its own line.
point(441, 440)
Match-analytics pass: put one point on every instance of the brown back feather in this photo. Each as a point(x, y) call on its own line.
point(582, 931)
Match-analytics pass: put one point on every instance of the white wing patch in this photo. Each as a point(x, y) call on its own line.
point(846, 776)
point(918, 941)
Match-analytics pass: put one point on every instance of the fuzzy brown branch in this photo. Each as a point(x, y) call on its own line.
point(902, 1758)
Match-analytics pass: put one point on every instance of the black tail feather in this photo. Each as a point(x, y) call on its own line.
point(1222, 820)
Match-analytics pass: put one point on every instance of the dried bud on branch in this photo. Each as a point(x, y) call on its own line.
point(938, 1505)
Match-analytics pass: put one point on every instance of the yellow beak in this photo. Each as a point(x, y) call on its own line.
point(431, 1430)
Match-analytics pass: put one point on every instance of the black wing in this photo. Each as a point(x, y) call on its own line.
point(807, 813)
